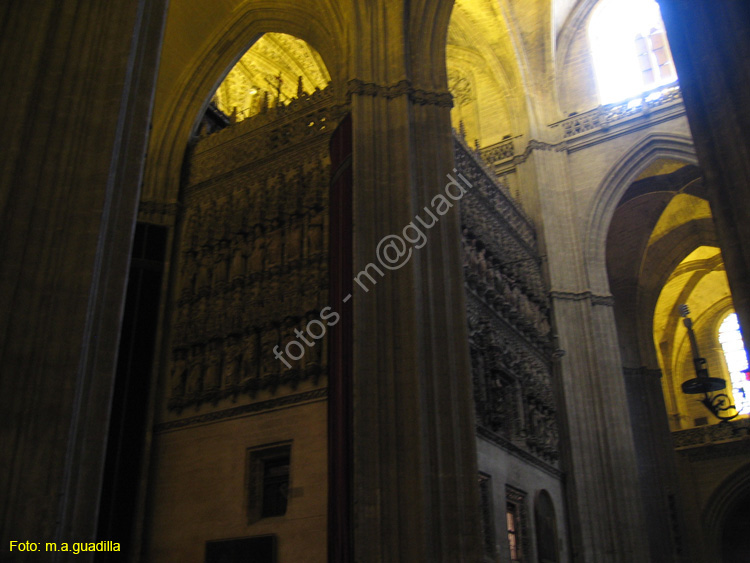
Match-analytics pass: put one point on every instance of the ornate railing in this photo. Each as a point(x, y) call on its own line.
point(712, 434)
point(274, 116)
point(604, 116)
point(498, 152)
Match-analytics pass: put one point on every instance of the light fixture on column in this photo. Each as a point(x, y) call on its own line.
point(719, 404)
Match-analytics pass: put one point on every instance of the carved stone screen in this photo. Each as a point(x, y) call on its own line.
point(253, 256)
point(508, 313)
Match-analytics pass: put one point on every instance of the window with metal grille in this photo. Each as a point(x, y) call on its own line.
point(515, 520)
point(511, 515)
point(268, 478)
point(275, 486)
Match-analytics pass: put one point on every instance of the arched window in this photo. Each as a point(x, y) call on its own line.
point(546, 528)
point(736, 358)
point(630, 50)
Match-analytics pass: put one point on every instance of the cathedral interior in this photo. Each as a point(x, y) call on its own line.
point(375, 281)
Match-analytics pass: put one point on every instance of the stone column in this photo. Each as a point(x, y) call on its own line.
point(599, 454)
point(78, 86)
point(415, 485)
point(710, 43)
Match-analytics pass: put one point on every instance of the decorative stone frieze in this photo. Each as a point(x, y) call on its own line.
point(715, 433)
point(603, 117)
point(498, 152)
point(401, 88)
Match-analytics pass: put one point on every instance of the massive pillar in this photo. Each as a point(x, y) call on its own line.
point(599, 454)
point(77, 89)
point(710, 43)
point(415, 484)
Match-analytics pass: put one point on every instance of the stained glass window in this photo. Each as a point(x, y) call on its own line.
point(736, 358)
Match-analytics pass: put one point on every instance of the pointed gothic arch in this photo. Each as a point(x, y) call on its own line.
point(612, 188)
point(731, 494)
point(185, 104)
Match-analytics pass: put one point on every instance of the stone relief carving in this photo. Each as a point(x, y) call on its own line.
point(253, 261)
point(508, 312)
point(460, 86)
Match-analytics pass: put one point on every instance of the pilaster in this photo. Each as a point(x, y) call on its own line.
point(600, 457)
point(415, 487)
point(80, 76)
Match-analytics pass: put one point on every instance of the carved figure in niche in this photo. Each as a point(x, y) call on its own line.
point(514, 295)
point(274, 245)
point(272, 299)
point(525, 311)
point(203, 278)
point(309, 292)
point(271, 191)
point(212, 378)
point(269, 365)
point(293, 243)
point(466, 248)
point(507, 300)
point(291, 290)
point(311, 360)
point(232, 362)
point(238, 251)
point(179, 374)
point(235, 325)
point(300, 187)
point(477, 368)
point(188, 230)
point(198, 319)
point(211, 221)
point(182, 323)
point(188, 274)
point(315, 242)
point(537, 427)
point(543, 327)
point(482, 265)
point(473, 260)
point(219, 266)
point(256, 261)
point(216, 316)
point(195, 375)
point(497, 415)
point(251, 304)
point(237, 216)
point(500, 283)
point(226, 209)
point(204, 234)
point(250, 363)
point(318, 182)
point(248, 209)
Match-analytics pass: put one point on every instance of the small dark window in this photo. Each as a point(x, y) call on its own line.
point(275, 486)
point(268, 481)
